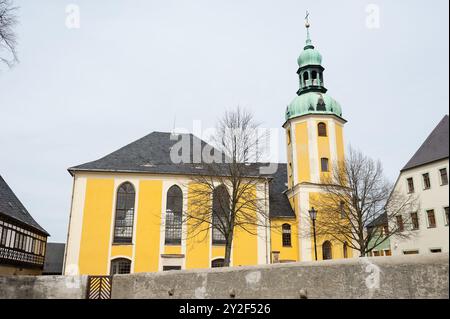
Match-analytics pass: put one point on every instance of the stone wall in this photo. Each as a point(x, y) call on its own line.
point(43, 287)
point(415, 276)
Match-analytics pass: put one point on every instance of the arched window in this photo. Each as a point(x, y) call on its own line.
point(305, 77)
point(220, 214)
point(123, 227)
point(326, 250)
point(219, 262)
point(345, 250)
point(120, 266)
point(174, 210)
point(324, 164)
point(314, 77)
point(286, 233)
point(322, 129)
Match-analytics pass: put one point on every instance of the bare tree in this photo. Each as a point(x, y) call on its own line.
point(8, 38)
point(353, 195)
point(223, 195)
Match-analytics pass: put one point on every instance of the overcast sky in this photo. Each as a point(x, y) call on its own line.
point(134, 66)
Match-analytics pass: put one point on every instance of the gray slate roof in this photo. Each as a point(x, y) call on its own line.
point(151, 154)
point(433, 149)
point(11, 206)
point(279, 205)
point(54, 257)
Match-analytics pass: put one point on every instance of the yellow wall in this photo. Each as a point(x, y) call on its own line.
point(337, 249)
point(122, 251)
point(301, 137)
point(197, 247)
point(339, 142)
point(148, 226)
point(286, 253)
point(245, 242)
point(96, 229)
point(323, 145)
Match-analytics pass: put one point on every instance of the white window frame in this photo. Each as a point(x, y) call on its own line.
point(428, 221)
point(445, 216)
point(407, 185)
point(440, 176)
point(423, 180)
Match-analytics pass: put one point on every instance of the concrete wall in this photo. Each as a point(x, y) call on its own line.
point(417, 276)
point(399, 277)
point(43, 287)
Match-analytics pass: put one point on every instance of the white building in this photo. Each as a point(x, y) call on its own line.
point(426, 176)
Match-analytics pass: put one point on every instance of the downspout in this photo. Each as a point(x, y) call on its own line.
point(268, 238)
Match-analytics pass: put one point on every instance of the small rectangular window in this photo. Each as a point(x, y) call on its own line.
point(387, 252)
point(400, 225)
point(444, 177)
point(410, 185)
point(324, 164)
point(167, 268)
point(410, 252)
point(435, 250)
point(431, 218)
point(426, 181)
point(414, 221)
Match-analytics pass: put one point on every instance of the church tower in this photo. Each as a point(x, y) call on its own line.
point(314, 136)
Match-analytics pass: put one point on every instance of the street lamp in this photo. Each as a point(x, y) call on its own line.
point(313, 215)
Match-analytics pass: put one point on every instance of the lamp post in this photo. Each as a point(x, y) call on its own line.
point(313, 215)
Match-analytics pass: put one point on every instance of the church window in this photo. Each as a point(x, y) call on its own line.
point(326, 250)
point(219, 262)
point(305, 78)
point(120, 266)
point(286, 235)
point(174, 209)
point(322, 129)
point(220, 214)
point(314, 77)
point(345, 248)
point(324, 164)
point(123, 228)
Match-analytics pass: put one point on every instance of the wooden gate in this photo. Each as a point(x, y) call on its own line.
point(99, 287)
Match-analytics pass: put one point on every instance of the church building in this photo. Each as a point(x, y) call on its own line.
point(124, 209)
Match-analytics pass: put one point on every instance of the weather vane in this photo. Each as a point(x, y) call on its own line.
point(307, 19)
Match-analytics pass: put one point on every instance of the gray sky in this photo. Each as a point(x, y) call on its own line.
point(79, 94)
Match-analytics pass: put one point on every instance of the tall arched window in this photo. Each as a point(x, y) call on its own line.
point(314, 77)
point(220, 214)
point(305, 78)
point(326, 250)
point(322, 129)
point(123, 227)
point(286, 233)
point(120, 266)
point(219, 262)
point(174, 210)
point(324, 164)
point(345, 248)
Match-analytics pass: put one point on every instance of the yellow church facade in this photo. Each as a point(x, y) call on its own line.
point(124, 211)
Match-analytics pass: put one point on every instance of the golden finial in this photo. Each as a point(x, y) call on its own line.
point(307, 20)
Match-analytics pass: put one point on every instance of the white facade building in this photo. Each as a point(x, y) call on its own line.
point(426, 176)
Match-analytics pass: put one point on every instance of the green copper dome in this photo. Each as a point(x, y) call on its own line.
point(313, 103)
point(309, 56)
